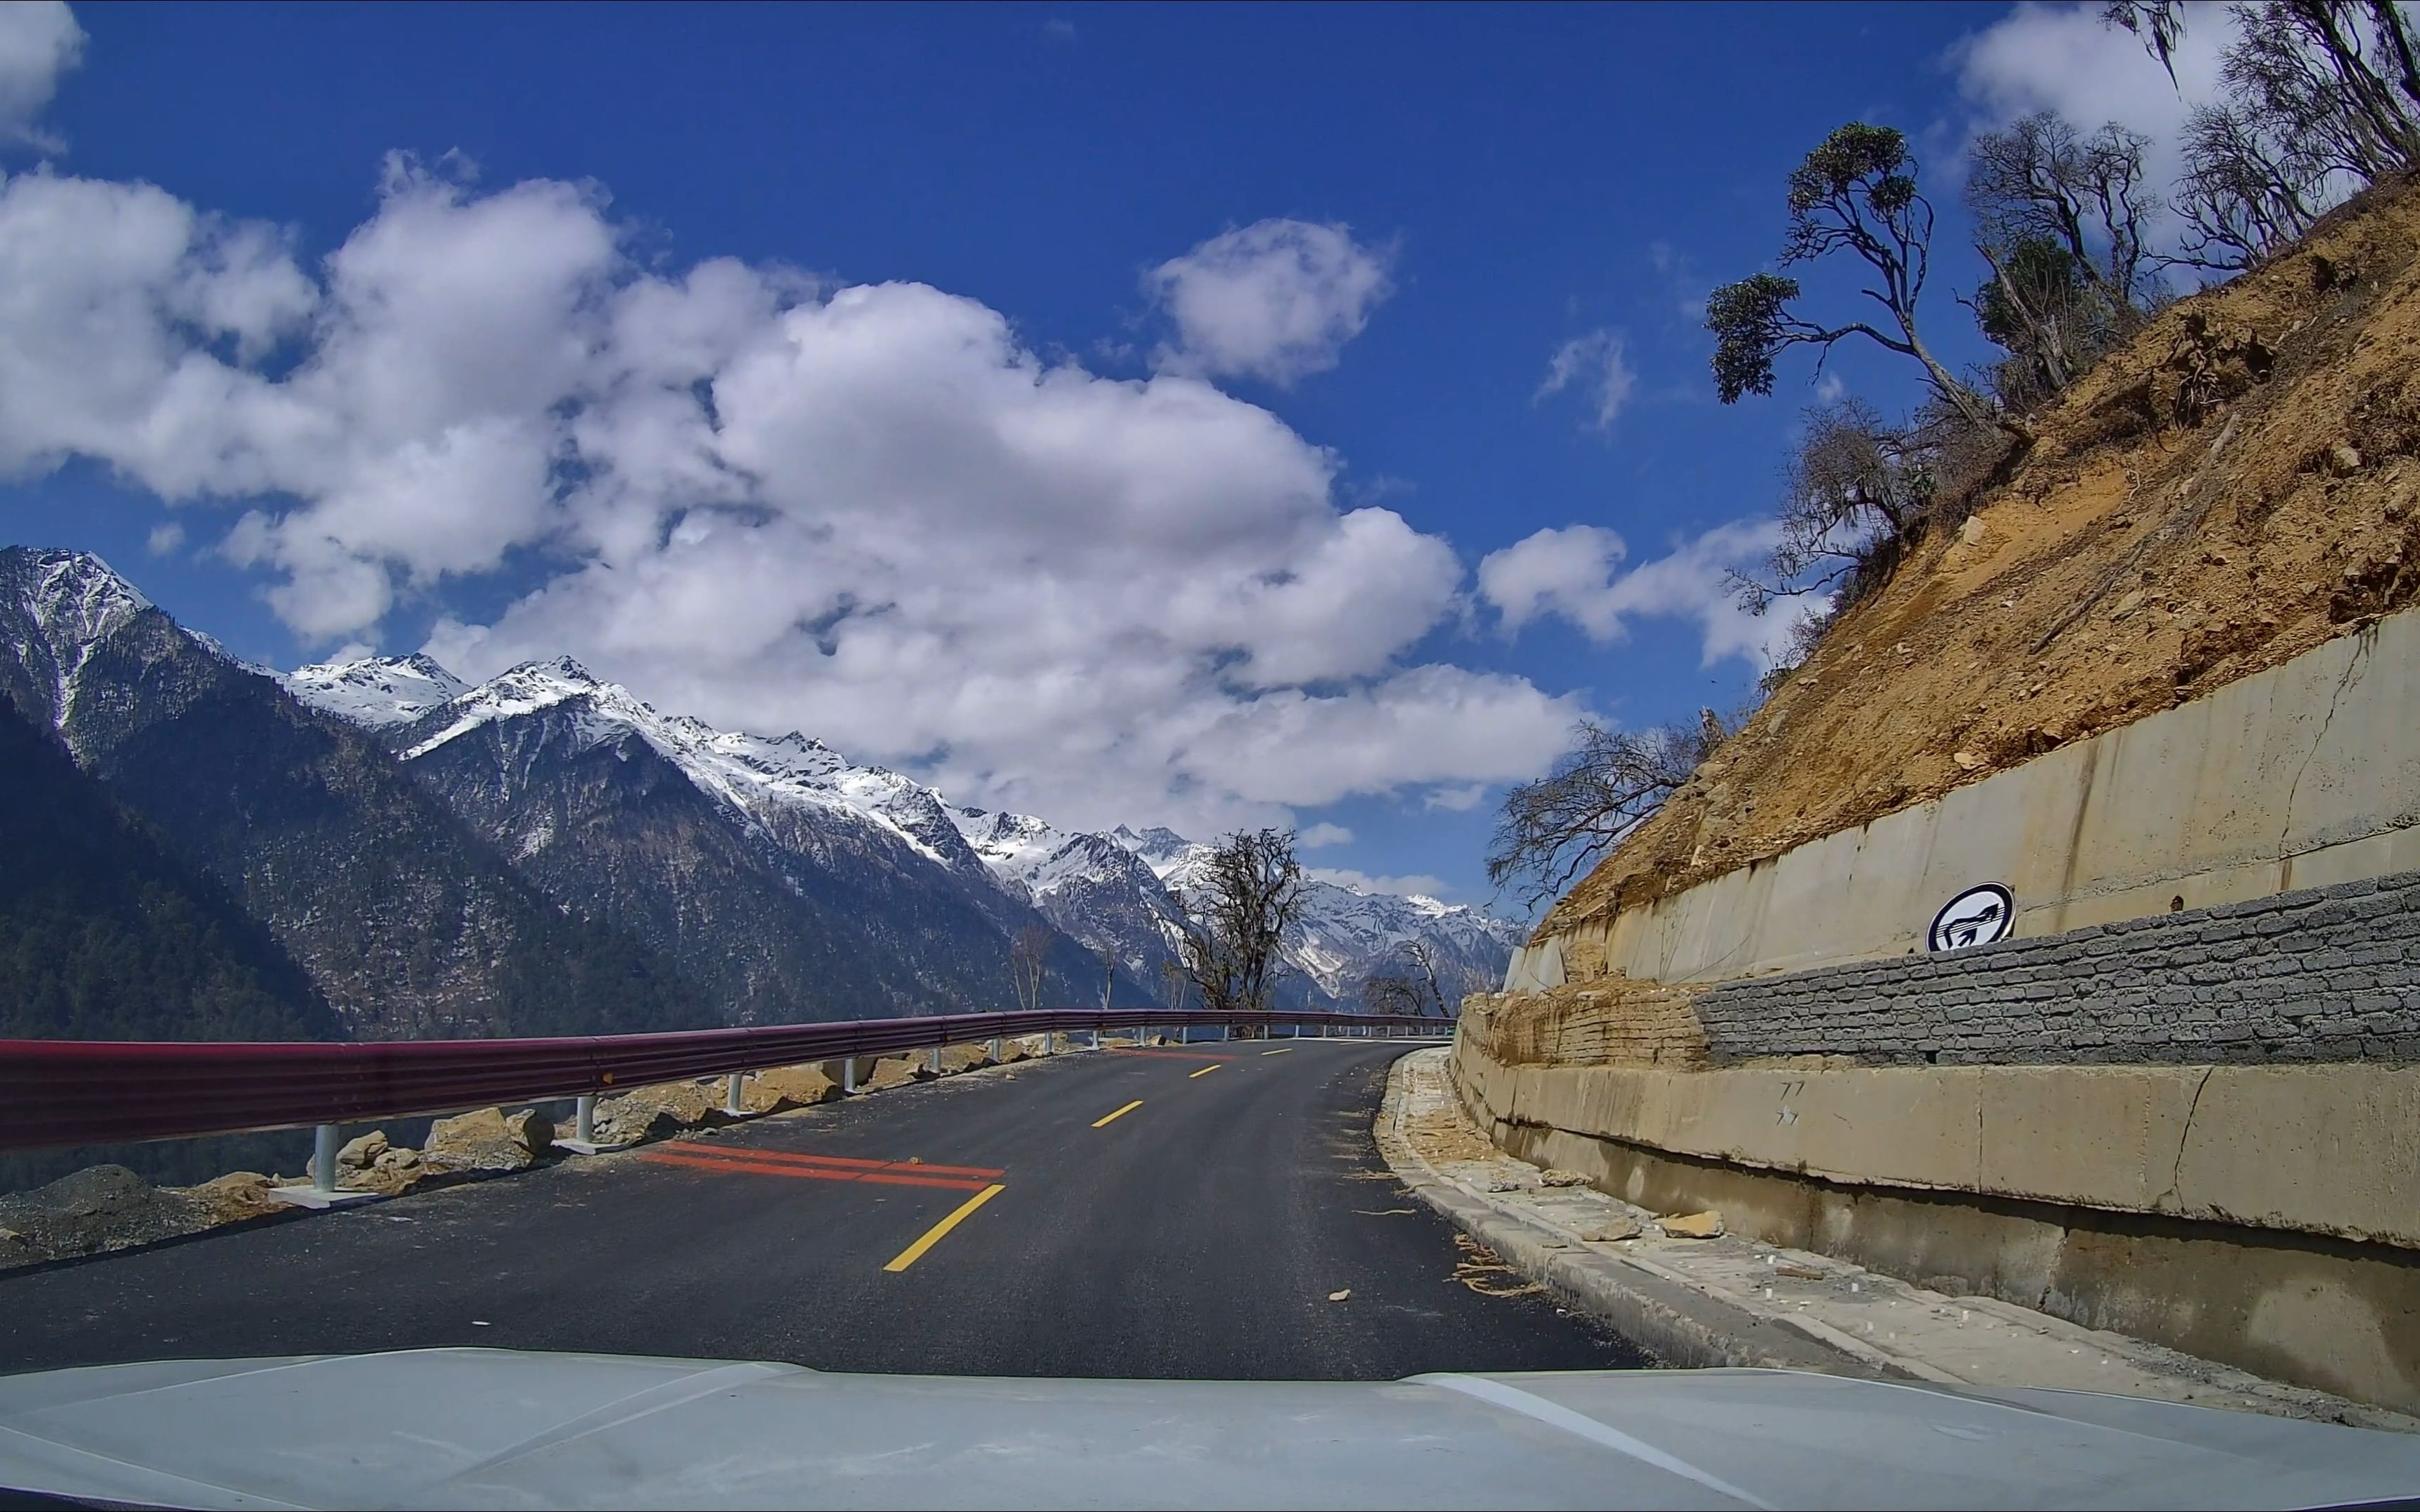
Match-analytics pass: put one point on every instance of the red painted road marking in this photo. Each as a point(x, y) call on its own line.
point(1169, 1055)
point(895, 1177)
point(786, 1157)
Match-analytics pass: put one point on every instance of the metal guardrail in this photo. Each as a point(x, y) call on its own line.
point(60, 1092)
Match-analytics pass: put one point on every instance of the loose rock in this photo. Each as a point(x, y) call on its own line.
point(1562, 1178)
point(1611, 1230)
point(1707, 1224)
point(100, 1208)
point(488, 1140)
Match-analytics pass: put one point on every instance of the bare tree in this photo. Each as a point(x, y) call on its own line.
point(1393, 990)
point(1550, 829)
point(2061, 218)
point(2320, 95)
point(1856, 193)
point(1237, 921)
point(1423, 956)
point(1028, 954)
point(1108, 971)
point(1857, 493)
point(1179, 983)
point(2248, 188)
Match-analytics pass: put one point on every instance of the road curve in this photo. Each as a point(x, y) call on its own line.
point(1149, 1214)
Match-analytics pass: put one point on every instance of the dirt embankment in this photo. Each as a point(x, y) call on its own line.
point(2235, 486)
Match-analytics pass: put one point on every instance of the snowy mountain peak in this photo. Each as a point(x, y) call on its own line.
point(380, 692)
point(1118, 891)
point(1159, 845)
point(72, 598)
point(59, 607)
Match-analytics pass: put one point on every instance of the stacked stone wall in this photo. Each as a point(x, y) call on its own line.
point(2328, 974)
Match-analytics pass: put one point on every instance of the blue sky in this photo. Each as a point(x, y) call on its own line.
point(1107, 411)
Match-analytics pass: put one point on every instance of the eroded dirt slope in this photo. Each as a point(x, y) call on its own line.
point(2237, 486)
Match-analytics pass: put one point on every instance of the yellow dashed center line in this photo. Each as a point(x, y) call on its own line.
point(1120, 1113)
point(934, 1235)
point(1287, 1050)
point(1203, 1071)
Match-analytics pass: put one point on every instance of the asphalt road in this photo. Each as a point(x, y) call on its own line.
point(1200, 1234)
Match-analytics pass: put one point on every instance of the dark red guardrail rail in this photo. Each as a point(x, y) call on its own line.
point(56, 1092)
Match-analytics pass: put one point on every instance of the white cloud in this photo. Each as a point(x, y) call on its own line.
point(866, 512)
point(1455, 799)
point(1575, 572)
point(39, 40)
point(164, 538)
point(1594, 364)
point(1276, 299)
point(1416, 886)
point(2063, 57)
point(1322, 835)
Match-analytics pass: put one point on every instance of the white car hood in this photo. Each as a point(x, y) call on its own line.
point(460, 1428)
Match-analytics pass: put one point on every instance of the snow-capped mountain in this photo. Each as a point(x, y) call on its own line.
point(785, 881)
point(792, 795)
point(378, 693)
point(405, 921)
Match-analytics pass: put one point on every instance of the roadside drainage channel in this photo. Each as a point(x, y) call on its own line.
point(1734, 1302)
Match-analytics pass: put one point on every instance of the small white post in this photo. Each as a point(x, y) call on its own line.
point(848, 1075)
point(995, 1050)
point(936, 1060)
point(585, 1119)
point(323, 1156)
point(731, 1103)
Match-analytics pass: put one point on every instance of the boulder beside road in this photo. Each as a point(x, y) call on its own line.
point(488, 1139)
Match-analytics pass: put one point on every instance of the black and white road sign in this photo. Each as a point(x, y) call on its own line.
point(1979, 915)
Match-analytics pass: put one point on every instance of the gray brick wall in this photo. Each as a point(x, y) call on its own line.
point(2328, 974)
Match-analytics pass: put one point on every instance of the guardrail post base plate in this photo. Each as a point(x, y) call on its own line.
point(309, 1195)
point(586, 1146)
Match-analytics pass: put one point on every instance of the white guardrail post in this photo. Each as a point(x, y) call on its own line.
point(731, 1103)
point(584, 1119)
point(936, 1061)
point(995, 1049)
point(324, 1141)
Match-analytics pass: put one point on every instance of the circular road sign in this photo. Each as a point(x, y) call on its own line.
point(1979, 915)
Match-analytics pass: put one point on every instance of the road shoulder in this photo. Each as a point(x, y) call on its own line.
point(1732, 1301)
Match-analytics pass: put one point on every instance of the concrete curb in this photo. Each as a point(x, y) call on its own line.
point(1705, 1302)
point(1673, 1321)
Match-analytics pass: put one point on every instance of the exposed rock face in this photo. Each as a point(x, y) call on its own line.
point(488, 1140)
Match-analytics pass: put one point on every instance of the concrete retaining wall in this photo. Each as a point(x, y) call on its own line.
point(2300, 776)
point(2259, 1216)
point(2315, 975)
